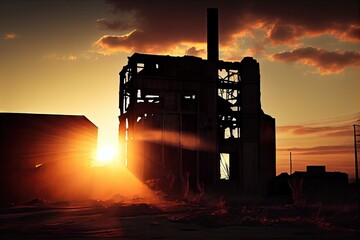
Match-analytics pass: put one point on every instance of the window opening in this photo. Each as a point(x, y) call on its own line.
point(139, 67)
point(225, 166)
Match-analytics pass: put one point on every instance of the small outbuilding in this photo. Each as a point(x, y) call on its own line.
point(40, 152)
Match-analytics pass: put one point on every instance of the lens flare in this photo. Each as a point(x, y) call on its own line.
point(106, 155)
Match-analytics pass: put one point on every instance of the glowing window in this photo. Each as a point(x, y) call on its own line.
point(225, 166)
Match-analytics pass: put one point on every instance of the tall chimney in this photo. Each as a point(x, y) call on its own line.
point(212, 34)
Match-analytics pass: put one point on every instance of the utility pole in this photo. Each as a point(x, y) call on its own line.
point(290, 164)
point(356, 158)
point(356, 169)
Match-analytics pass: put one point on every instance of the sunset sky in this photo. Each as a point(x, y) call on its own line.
point(63, 57)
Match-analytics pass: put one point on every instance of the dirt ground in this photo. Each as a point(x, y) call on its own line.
point(136, 219)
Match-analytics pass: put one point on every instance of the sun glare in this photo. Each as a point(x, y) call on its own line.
point(106, 155)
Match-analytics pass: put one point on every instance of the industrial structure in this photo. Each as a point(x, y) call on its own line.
point(44, 155)
point(196, 123)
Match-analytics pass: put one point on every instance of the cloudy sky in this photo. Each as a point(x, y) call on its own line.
point(63, 57)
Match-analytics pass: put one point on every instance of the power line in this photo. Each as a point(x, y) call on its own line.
point(290, 164)
point(341, 120)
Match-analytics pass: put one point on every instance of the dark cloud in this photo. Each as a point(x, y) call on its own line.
point(344, 133)
point(319, 150)
point(326, 131)
point(291, 20)
point(113, 25)
point(353, 33)
point(195, 52)
point(325, 61)
point(168, 23)
point(285, 33)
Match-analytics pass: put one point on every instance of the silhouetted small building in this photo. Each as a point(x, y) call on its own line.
point(313, 184)
point(316, 178)
point(40, 152)
point(319, 176)
point(190, 121)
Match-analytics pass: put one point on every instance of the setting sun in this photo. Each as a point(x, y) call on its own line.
point(106, 155)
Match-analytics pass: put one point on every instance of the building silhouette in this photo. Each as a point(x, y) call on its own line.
point(42, 155)
point(317, 181)
point(196, 122)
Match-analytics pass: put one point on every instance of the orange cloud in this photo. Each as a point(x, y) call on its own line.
point(135, 41)
point(11, 36)
point(70, 57)
point(326, 62)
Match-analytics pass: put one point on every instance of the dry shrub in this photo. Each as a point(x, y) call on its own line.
point(296, 188)
point(185, 179)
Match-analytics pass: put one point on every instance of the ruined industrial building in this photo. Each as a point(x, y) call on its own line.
point(187, 121)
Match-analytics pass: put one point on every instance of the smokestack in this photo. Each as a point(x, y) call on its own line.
point(212, 35)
